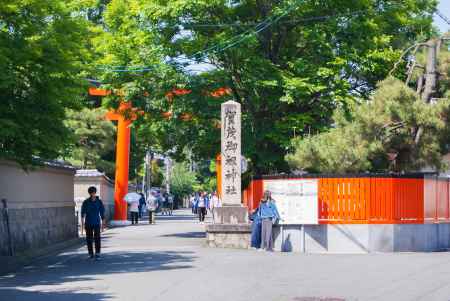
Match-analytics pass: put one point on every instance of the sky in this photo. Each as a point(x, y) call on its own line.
point(444, 7)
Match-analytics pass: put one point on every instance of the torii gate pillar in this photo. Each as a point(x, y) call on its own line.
point(122, 161)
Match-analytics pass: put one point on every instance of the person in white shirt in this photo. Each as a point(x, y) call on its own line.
point(152, 206)
point(215, 201)
point(202, 208)
point(134, 210)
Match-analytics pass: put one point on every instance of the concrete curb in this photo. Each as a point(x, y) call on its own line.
point(9, 264)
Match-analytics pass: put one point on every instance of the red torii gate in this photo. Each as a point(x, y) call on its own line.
point(125, 115)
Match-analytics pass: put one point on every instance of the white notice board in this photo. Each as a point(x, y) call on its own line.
point(296, 200)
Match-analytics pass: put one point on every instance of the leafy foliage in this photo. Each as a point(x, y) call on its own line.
point(182, 180)
point(380, 136)
point(42, 53)
point(289, 76)
point(94, 138)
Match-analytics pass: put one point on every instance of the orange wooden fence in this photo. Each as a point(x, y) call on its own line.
point(374, 200)
point(370, 200)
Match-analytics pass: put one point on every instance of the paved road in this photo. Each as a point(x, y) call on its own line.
point(169, 261)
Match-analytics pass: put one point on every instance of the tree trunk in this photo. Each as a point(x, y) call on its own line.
point(431, 72)
point(430, 80)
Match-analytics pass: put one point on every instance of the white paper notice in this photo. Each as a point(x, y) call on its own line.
point(296, 200)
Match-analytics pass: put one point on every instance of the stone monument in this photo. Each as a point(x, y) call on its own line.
point(230, 228)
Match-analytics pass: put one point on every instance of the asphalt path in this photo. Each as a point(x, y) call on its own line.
point(169, 261)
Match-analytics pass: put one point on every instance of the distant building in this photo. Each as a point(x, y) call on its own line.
point(84, 178)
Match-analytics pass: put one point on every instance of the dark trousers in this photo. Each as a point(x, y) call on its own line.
point(93, 233)
point(134, 217)
point(201, 213)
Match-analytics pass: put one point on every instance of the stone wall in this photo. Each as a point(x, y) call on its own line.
point(40, 206)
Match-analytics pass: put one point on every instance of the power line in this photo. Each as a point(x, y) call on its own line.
point(258, 30)
point(238, 24)
point(442, 16)
point(232, 41)
point(237, 39)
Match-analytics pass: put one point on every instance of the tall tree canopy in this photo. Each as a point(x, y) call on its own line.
point(43, 45)
point(289, 63)
point(380, 136)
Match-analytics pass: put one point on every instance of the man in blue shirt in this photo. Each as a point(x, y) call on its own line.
point(92, 211)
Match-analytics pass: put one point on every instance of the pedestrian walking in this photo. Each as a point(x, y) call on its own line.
point(196, 201)
point(142, 205)
point(133, 200)
point(165, 203)
point(207, 201)
point(134, 212)
point(93, 220)
point(152, 206)
point(201, 208)
point(268, 213)
point(192, 203)
point(214, 203)
point(170, 204)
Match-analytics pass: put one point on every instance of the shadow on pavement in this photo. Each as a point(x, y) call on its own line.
point(176, 217)
point(67, 268)
point(67, 295)
point(187, 235)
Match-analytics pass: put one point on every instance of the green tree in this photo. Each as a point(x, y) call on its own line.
point(380, 136)
point(94, 138)
point(182, 181)
point(42, 56)
point(287, 65)
point(157, 173)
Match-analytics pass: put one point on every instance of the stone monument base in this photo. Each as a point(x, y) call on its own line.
point(228, 235)
point(230, 228)
point(230, 215)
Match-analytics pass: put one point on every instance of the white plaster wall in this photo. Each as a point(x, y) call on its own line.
point(44, 187)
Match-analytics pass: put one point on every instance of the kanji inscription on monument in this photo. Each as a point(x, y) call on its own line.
point(231, 153)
